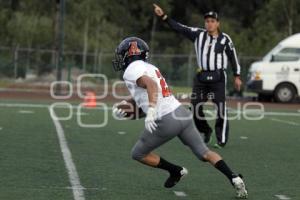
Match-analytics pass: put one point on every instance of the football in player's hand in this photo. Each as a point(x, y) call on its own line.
point(131, 109)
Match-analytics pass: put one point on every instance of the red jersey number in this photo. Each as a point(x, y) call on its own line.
point(165, 89)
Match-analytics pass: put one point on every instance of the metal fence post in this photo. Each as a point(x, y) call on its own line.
point(99, 68)
point(60, 44)
point(16, 55)
point(189, 72)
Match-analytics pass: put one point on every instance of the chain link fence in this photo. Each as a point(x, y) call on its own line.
point(27, 63)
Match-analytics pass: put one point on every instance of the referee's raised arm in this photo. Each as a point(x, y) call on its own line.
point(189, 32)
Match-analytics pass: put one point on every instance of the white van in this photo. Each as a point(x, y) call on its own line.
point(277, 75)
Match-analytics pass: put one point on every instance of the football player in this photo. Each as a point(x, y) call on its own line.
point(165, 118)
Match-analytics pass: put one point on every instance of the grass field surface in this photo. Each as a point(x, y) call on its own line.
point(44, 158)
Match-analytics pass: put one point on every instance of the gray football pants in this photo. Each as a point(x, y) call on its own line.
point(177, 123)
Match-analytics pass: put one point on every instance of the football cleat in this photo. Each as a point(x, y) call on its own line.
point(240, 188)
point(175, 178)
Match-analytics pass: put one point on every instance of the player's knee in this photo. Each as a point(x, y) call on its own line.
point(200, 155)
point(205, 157)
point(136, 155)
point(211, 156)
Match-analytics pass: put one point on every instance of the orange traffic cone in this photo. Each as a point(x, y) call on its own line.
point(90, 100)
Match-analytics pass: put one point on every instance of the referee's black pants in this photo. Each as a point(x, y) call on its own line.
point(216, 92)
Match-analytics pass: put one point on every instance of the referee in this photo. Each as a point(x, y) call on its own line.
point(214, 50)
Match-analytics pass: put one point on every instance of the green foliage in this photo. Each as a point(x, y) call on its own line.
point(94, 26)
point(30, 22)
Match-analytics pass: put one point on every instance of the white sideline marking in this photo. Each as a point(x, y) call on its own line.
point(244, 137)
point(282, 197)
point(285, 122)
point(253, 112)
point(180, 193)
point(121, 132)
point(18, 105)
point(22, 90)
point(230, 110)
point(77, 189)
point(26, 111)
point(21, 105)
point(258, 112)
point(281, 114)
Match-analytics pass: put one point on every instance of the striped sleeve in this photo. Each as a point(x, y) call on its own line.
point(189, 32)
point(232, 56)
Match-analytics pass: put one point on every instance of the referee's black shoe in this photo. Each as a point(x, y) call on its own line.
point(207, 137)
point(174, 178)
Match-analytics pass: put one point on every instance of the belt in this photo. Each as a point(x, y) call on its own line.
point(199, 70)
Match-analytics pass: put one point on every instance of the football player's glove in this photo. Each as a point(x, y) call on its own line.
point(117, 112)
point(150, 124)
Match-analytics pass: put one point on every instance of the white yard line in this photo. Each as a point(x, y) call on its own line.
point(282, 114)
point(282, 197)
point(72, 188)
point(77, 188)
point(258, 112)
point(285, 122)
point(180, 193)
point(230, 110)
point(23, 90)
point(23, 105)
point(25, 111)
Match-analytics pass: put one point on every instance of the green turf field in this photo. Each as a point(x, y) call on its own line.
point(32, 165)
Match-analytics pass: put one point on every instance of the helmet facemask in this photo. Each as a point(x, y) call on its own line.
point(119, 62)
point(122, 61)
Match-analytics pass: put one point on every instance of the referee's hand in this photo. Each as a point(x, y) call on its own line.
point(158, 10)
point(237, 83)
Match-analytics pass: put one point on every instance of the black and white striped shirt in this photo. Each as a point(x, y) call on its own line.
point(212, 52)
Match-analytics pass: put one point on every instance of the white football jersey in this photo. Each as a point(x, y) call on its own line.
point(166, 102)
